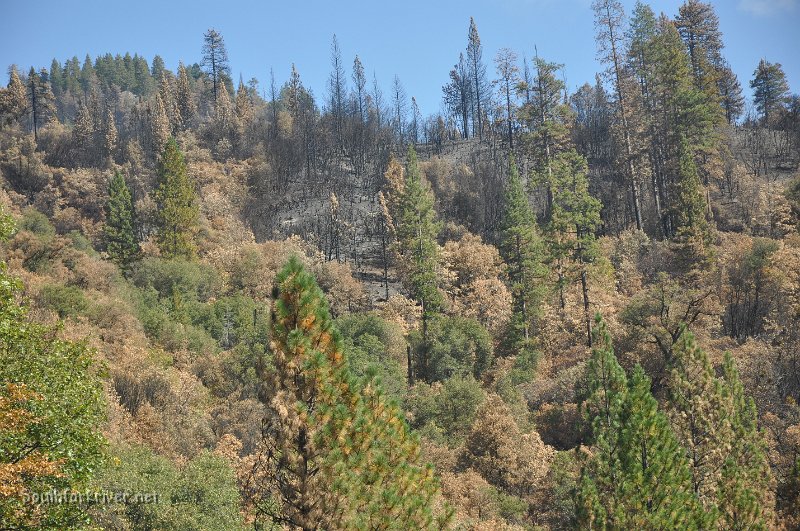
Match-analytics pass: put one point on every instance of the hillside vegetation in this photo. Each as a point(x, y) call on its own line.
point(534, 310)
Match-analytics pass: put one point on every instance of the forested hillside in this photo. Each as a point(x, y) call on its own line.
point(253, 305)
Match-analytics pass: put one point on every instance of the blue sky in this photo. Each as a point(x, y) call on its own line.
point(417, 40)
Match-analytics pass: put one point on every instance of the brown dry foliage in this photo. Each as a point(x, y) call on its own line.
point(498, 450)
point(473, 283)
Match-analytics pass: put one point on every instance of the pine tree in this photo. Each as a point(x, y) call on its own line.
point(548, 122)
point(641, 34)
point(224, 120)
point(656, 488)
point(745, 492)
point(477, 73)
point(243, 108)
point(158, 68)
point(506, 66)
point(294, 94)
point(609, 19)
point(57, 81)
point(83, 134)
point(159, 125)
point(178, 210)
point(119, 231)
point(243, 105)
point(644, 39)
point(693, 232)
point(638, 476)
point(72, 73)
point(605, 386)
point(13, 100)
point(392, 487)
point(143, 81)
point(522, 249)
point(400, 108)
point(167, 95)
point(337, 455)
point(88, 77)
point(215, 59)
point(337, 89)
point(698, 25)
point(717, 425)
point(681, 111)
point(110, 136)
point(699, 417)
point(770, 89)
point(571, 231)
point(360, 84)
point(417, 230)
point(184, 99)
point(458, 95)
point(40, 100)
point(730, 91)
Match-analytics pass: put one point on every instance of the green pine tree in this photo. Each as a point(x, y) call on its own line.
point(693, 232)
point(717, 425)
point(637, 476)
point(699, 411)
point(522, 249)
point(338, 455)
point(417, 229)
point(571, 232)
point(547, 118)
point(119, 233)
point(656, 486)
point(601, 405)
point(770, 90)
point(745, 489)
point(178, 210)
point(675, 107)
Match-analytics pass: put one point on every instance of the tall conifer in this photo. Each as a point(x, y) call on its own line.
point(184, 99)
point(417, 230)
point(119, 231)
point(746, 487)
point(13, 100)
point(176, 198)
point(523, 251)
point(338, 455)
point(637, 476)
point(693, 231)
point(699, 416)
point(571, 231)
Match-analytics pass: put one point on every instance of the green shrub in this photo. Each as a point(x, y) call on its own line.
point(456, 346)
point(170, 328)
point(81, 243)
point(231, 320)
point(512, 509)
point(67, 301)
point(524, 368)
point(450, 407)
point(374, 346)
point(179, 281)
point(37, 223)
point(200, 495)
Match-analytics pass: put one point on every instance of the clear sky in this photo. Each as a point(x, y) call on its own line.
point(417, 40)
